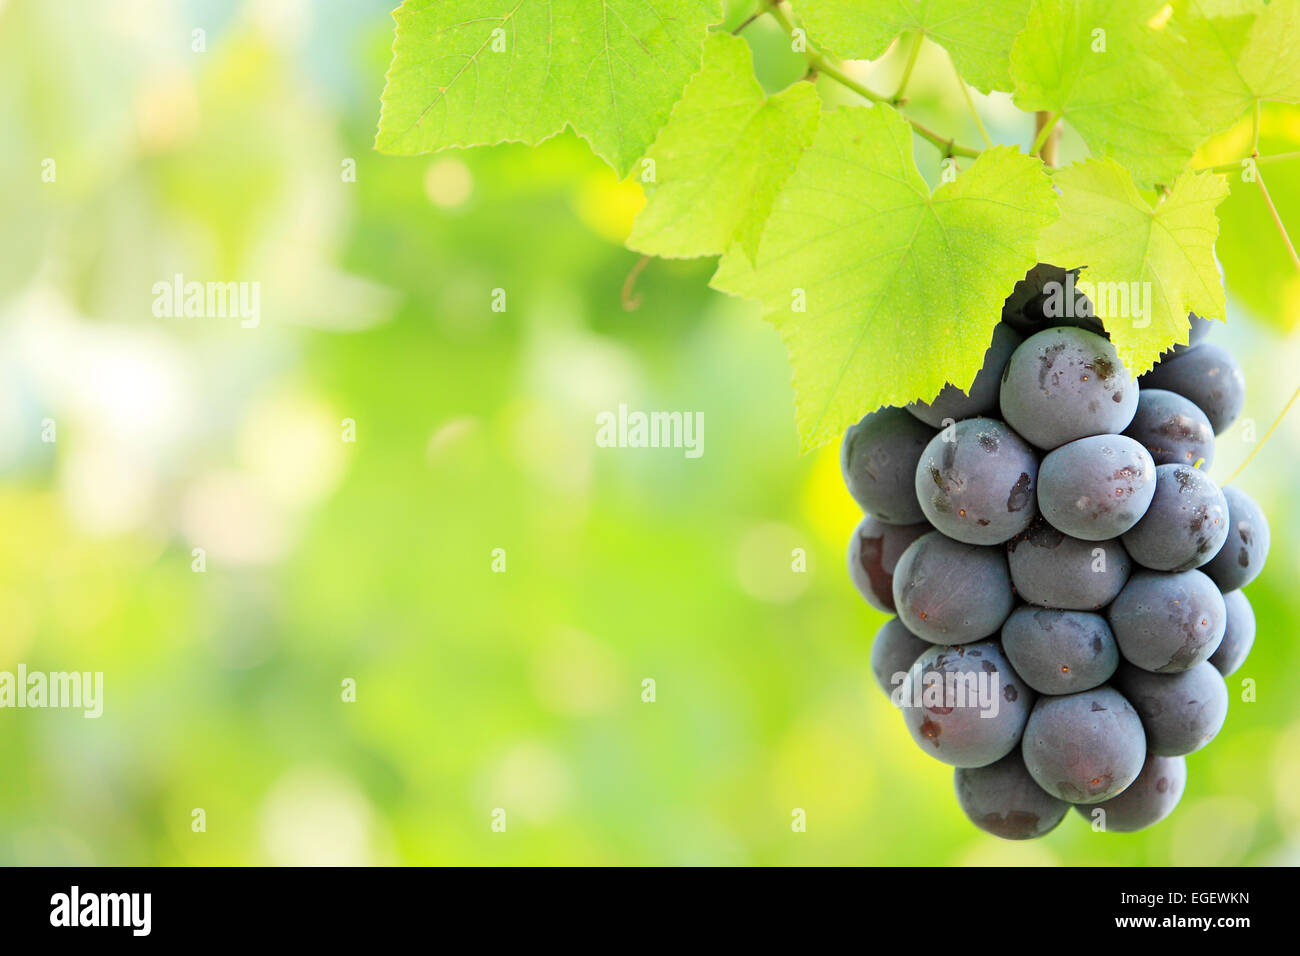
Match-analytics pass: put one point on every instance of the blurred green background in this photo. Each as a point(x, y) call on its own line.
point(372, 561)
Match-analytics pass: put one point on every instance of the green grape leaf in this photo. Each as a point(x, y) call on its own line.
point(1228, 55)
point(722, 158)
point(475, 72)
point(1144, 268)
point(976, 33)
point(1095, 63)
point(882, 291)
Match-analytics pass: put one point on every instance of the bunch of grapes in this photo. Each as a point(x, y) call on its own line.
point(1067, 579)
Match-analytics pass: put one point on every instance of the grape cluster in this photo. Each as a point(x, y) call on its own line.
point(1065, 576)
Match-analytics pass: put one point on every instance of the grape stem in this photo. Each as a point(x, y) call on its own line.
point(1271, 428)
point(822, 65)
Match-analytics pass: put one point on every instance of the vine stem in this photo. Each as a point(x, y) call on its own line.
point(907, 70)
point(1259, 161)
point(1043, 143)
point(1271, 428)
point(970, 104)
point(1255, 118)
point(950, 147)
point(630, 299)
point(819, 63)
point(1277, 219)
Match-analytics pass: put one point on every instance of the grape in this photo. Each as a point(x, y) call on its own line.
point(965, 705)
point(1181, 712)
point(878, 460)
point(1147, 800)
point(1172, 428)
point(1198, 331)
point(982, 397)
point(1051, 569)
point(874, 550)
point(975, 482)
point(1059, 652)
point(1066, 577)
point(1238, 637)
point(1168, 622)
point(1065, 383)
point(950, 593)
point(1038, 302)
point(1086, 747)
point(1242, 556)
point(1096, 488)
point(1003, 799)
point(893, 653)
point(1186, 524)
point(1208, 376)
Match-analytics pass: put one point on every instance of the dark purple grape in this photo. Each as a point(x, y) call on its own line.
point(1242, 556)
point(1064, 384)
point(1167, 622)
point(874, 550)
point(1186, 524)
point(1181, 712)
point(1173, 429)
point(1059, 652)
point(1051, 569)
point(1086, 747)
point(982, 399)
point(878, 460)
point(1003, 799)
point(893, 653)
point(951, 593)
point(965, 705)
point(1096, 488)
point(1198, 331)
point(1047, 297)
point(1147, 800)
point(1238, 636)
point(975, 482)
point(1207, 375)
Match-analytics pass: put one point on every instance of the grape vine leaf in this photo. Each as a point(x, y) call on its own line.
point(476, 72)
point(722, 158)
point(1228, 55)
point(1095, 63)
point(976, 33)
point(1137, 258)
point(899, 288)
